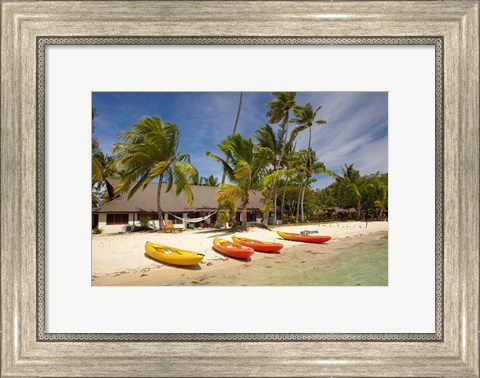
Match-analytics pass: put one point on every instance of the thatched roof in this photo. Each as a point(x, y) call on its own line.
point(145, 201)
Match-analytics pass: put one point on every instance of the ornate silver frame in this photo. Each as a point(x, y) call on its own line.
point(43, 42)
point(451, 26)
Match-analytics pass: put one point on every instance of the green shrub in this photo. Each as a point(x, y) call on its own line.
point(97, 230)
point(144, 221)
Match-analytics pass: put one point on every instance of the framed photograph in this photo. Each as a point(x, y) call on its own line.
point(111, 267)
point(317, 236)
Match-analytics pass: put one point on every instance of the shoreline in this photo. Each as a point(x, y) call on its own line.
point(120, 259)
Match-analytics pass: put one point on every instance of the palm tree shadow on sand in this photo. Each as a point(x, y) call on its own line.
point(229, 231)
point(185, 267)
point(214, 233)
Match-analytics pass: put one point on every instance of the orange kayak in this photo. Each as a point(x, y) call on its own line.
point(258, 245)
point(304, 238)
point(232, 249)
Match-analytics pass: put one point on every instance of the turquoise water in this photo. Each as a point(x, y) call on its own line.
point(351, 262)
point(364, 264)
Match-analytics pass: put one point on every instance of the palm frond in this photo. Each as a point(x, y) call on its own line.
point(274, 176)
point(228, 192)
point(159, 169)
point(97, 169)
point(181, 172)
point(225, 166)
point(147, 151)
point(243, 174)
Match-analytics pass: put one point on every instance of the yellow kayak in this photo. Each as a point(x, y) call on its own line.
point(172, 255)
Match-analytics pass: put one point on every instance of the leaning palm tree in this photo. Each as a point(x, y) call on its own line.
point(244, 169)
point(305, 119)
point(279, 111)
point(235, 126)
point(149, 152)
point(103, 167)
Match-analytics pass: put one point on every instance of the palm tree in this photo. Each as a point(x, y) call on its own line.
point(244, 169)
point(266, 138)
point(380, 193)
point(351, 177)
point(103, 166)
point(209, 181)
point(311, 166)
point(279, 111)
point(227, 212)
point(235, 127)
point(290, 166)
point(306, 119)
point(195, 180)
point(149, 151)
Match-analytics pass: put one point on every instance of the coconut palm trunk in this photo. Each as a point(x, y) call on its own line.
point(159, 203)
point(245, 171)
point(272, 189)
point(302, 215)
point(282, 153)
point(297, 214)
point(305, 119)
point(244, 216)
point(282, 210)
point(299, 201)
point(380, 213)
point(234, 130)
point(280, 111)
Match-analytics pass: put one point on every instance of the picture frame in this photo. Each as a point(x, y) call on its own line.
point(28, 351)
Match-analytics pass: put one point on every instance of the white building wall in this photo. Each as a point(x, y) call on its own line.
point(102, 221)
point(113, 228)
point(132, 221)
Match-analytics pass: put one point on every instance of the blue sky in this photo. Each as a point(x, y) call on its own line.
point(356, 130)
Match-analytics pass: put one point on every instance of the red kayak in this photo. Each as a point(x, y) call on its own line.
point(232, 249)
point(304, 238)
point(258, 245)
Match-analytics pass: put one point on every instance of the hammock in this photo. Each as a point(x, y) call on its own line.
point(193, 220)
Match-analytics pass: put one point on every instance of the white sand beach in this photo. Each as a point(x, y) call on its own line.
point(120, 259)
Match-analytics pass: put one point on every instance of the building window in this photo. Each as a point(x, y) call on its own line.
point(117, 219)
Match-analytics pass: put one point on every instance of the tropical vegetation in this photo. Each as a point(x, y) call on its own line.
point(245, 169)
point(149, 151)
point(270, 164)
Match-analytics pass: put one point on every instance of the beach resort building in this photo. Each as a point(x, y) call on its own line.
point(122, 214)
